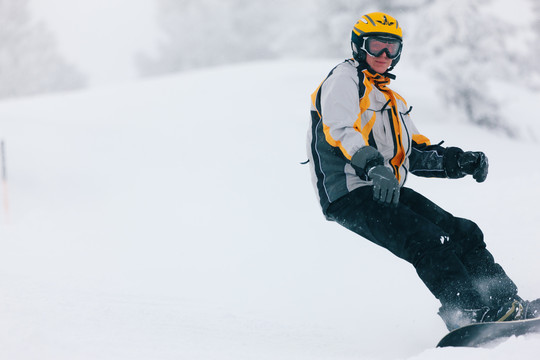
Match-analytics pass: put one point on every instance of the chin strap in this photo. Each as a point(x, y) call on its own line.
point(389, 75)
point(364, 65)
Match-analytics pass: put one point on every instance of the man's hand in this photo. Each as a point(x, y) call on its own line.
point(474, 163)
point(385, 185)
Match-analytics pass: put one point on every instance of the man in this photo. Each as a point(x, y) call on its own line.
point(362, 145)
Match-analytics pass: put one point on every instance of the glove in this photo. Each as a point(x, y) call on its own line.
point(385, 185)
point(474, 163)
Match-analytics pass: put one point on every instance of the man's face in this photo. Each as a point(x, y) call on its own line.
point(380, 63)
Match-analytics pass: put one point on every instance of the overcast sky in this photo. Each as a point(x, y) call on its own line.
point(100, 36)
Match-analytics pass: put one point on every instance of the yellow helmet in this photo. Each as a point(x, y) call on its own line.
point(374, 24)
point(377, 23)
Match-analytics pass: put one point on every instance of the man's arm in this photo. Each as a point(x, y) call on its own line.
point(451, 162)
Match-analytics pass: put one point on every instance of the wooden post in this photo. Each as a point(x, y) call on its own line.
point(4, 182)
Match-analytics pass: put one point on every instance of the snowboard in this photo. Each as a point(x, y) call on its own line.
point(476, 335)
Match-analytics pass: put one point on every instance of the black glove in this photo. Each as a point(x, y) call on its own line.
point(385, 185)
point(474, 163)
point(458, 163)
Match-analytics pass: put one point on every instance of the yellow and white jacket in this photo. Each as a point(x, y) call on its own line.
point(354, 108)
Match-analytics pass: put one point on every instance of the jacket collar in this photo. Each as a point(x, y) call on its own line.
point(373, 76)
point(379, 80)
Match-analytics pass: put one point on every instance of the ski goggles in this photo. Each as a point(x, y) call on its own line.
point(377, 45)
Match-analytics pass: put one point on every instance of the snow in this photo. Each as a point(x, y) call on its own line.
point(170, 219)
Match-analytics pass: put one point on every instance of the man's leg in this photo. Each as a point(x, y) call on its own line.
point(489, 278)
point(412, 237)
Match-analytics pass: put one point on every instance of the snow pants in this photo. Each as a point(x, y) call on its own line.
point(448, 253)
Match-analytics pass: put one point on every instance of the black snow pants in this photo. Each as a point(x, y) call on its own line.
point(448, 253)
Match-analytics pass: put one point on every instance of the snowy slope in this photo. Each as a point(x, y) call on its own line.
point(171, 219)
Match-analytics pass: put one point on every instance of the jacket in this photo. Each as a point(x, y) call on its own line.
point(353, 109)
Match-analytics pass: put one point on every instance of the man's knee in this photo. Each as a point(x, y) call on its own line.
point(429, 247)
point(468, 234)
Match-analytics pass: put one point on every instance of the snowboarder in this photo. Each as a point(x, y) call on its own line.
point(362, 145)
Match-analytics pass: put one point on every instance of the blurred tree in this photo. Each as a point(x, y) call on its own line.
point(533, 62)
point(465, 47)
point(209, 32)
point(29, 61)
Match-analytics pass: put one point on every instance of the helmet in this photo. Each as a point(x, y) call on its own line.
point(380, 25)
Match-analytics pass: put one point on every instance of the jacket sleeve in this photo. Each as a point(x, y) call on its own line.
point(340, 107)
point(435, 161)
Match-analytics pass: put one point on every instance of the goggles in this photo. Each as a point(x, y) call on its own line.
point(377, 45)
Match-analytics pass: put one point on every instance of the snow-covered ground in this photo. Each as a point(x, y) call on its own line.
point(171, 219)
